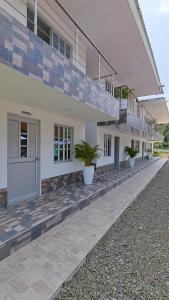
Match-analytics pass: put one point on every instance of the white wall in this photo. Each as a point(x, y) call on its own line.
point(47, 121)
point(125, 140)
point(91, 133)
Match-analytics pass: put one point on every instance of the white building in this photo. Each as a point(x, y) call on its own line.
point(59, 65)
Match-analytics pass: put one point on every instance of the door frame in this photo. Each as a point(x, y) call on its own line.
point(142, 152)
point(38, 143)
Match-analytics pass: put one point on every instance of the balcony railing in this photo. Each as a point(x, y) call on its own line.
point(51, 22)
point(135, 115)
point(40, 39)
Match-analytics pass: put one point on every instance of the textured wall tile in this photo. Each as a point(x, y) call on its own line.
point(37, 59)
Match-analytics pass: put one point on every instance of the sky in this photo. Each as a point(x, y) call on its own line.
point(156, 17)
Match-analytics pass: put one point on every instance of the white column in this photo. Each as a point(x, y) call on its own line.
point(152, 147)
point(99, 68)
point(35, 16)
point(77, 46)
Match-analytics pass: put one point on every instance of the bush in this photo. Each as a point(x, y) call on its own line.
point(156, 153)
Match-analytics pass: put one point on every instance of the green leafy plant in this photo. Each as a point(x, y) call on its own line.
point(87, 153)
point(156, 153)
point(131, 152)
point(123, 92)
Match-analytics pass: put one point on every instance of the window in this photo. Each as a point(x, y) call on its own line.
point(63, 143)
point(61, 45)
point(43, 30)
point(23, 139)
point(108, 86)
point(137, 145)
point(47, 34)
point(132, 144)
point(107, 145)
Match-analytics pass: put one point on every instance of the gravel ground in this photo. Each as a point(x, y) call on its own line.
point(132, 260)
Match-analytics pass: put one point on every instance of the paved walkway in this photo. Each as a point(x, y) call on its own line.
point(28, 220)
point(36, 271)
point(131, 261)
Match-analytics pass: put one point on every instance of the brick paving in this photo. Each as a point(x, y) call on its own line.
point(131, 261)
point(26, 221)
point(38, 270)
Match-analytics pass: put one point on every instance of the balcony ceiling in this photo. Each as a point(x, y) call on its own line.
point(116, 28)
point(158, 109)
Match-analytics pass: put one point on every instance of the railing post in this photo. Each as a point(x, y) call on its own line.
point(77, 46)
point(112, 86)
point(35, 16)
point(99, 68)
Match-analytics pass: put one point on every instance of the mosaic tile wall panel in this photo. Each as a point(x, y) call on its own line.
point(24, 51)
point(52, 184)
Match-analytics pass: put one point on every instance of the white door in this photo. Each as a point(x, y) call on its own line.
point(23, 159)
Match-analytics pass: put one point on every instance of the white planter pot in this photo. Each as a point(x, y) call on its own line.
point(149, 155)
point(131, 162)
point(88, 174)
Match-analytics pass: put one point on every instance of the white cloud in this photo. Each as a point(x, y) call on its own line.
point(155, 7)
point(164, 8)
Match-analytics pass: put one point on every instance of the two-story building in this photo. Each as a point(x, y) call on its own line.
point(60, 62)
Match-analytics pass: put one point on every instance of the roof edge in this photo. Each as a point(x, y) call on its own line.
point(135, 4)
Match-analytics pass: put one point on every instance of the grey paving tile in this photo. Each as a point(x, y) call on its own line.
point(55, 207)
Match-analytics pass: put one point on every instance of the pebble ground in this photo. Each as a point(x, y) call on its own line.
point(131, 262)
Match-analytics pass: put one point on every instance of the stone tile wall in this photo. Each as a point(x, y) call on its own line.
point(52, 184)
point(22, 50)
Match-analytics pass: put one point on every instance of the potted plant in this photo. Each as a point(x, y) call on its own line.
point(123, 92)
point(87, 154)
point(149, 154)
point(132, 154)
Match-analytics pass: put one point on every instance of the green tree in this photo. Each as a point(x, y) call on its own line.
point(164, 130)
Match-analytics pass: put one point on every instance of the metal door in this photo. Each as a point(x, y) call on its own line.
point(23, 159)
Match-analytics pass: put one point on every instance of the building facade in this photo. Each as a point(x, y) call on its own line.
point(57, 88)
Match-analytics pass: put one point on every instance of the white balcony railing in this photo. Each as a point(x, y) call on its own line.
point(51, 22)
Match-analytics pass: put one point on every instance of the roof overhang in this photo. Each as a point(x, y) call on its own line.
point(118, 31)
point(158, 109)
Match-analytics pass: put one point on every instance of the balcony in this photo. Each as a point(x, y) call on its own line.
point(68, 69)
point(135, 119)
point(138, 118)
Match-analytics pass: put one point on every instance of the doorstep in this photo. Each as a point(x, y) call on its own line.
point(24, 222)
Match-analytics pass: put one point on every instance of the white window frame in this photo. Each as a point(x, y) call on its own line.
point(52, 32)
point(137, 146)
point(66, 43)
point(107, 151)
point(64, 160)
